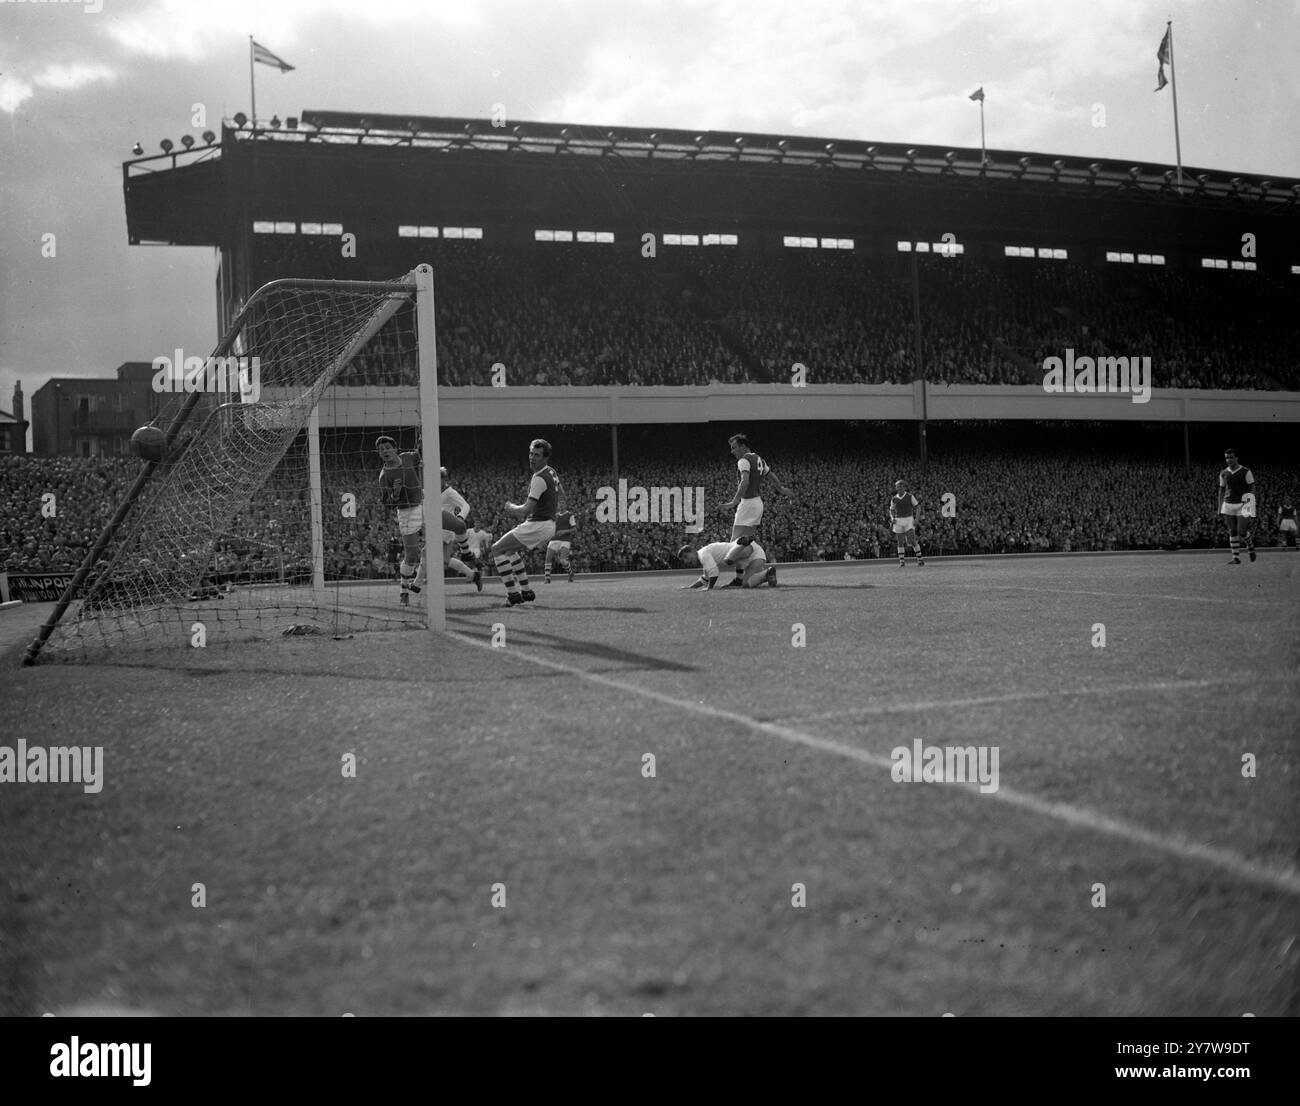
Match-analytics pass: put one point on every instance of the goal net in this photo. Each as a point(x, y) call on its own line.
point(262, 512)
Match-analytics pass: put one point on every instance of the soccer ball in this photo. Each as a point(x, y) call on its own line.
point(148, 443)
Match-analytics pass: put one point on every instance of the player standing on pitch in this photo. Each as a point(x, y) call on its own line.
point(537, 513)
point(1237, 505)
point(902, 516)
point(748, 500)
point(400, 486)
point(1286, 523)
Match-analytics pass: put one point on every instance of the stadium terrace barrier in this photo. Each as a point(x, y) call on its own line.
point(572, 405)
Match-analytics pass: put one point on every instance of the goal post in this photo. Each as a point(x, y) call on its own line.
point(248, 476)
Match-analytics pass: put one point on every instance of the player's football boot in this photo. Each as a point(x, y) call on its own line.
point(736, 582)
point(1252, 554)
point(513, 599)
point(1235, 561)
point(920, 562)
point(478, 578)
point(570, 573)
point(528, 594)
point(771, 576)
point(748, 539)
point(700, 583)
point(404, 600)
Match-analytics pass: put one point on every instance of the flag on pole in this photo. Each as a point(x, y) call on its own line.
point(262, 54)
point(1162, 56)
point(978, 94)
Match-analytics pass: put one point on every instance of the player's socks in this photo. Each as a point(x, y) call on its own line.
point(920, 560)
point(507, 573)
point(477, 579)
point(520, 570)
point(546, 570)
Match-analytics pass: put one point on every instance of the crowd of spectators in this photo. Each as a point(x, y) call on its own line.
point(584, 317)
point(1003, 499)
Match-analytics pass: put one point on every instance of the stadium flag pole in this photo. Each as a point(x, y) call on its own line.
point(1173, 80)
point(252, 83)
point(427, 362)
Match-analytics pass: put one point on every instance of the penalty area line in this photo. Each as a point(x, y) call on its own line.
point(1285, 879)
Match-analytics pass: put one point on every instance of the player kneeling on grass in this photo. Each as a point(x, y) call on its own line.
point(537, 527)
point(745, 554)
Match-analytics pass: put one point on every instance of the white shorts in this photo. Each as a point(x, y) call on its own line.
point(750, 512)
point(755, 567)
point(532, 534)
point(557, 547)
point(903, 525)
point(1232, 509)
point(410, 520)
point(1287, 526)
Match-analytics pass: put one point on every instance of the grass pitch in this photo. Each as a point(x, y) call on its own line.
point(502, 848)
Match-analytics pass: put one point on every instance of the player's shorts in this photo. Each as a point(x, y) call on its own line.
point(750, 512)
point(532, 534)
point(1287, 526)
point(1227, 508)
point(410, 520)
point(903, 525)
point(558, 546)
point(755, 569)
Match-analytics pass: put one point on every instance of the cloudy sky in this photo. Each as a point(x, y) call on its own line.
point(80, 82)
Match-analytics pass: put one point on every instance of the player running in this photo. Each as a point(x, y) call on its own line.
point(454, 502)
point(748, 500)
point(559, 547)
point(537, 525)
point(746, 554)
point(401, 486)
point(1237, 505)
point(902, 515)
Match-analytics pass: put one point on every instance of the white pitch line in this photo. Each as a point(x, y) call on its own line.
point(1028, 696)
point(1285, 879)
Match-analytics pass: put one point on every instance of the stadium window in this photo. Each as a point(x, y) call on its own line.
point(543, 236)
point(830, 243)
point(923, 247)
point(1220, 263)
point(1238, 264)
point(333, 228)
point(564, 236)
point(1144, 259)
point(453, 232)
point(808, 243)
point(1112, 255)
point(906, 247)
point(1126, 258)
point(1157, 259)
point(690, 239)
point(474, 232)
point(263, 226)
point(402, 231)
point(285, 227)
point(606, 236)
point(310, 228)
point(1207, 263)
point(728, 240)
point(1011, 251)
point(1060, 255)
point(848, 244)
point(1045, 252)
point(428, 232)
point(1295, 270)
point(1250, 266)
point(672, 239)
point(586, 236)
point(711, 239)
